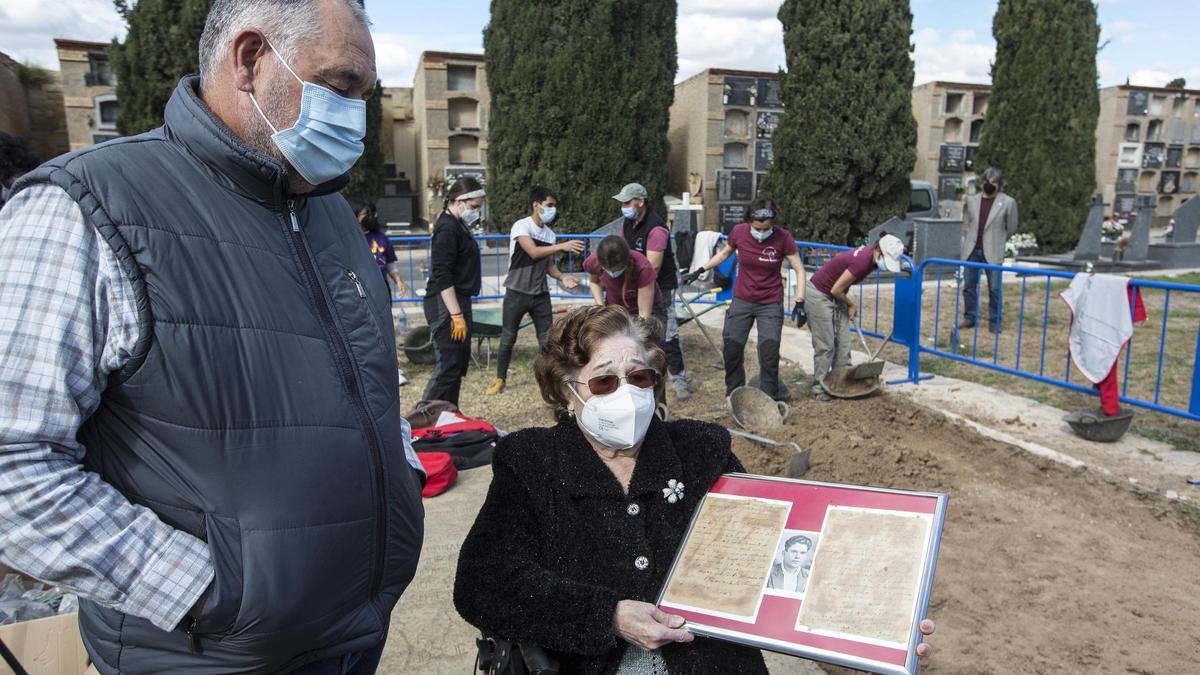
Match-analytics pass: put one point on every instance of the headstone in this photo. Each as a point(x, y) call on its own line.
point(893, 226)
point(1088, 247)
point(1139, 244)
point(1187, 222)
point(936, 238)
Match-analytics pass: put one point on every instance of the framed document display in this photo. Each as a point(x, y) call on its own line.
point(836, 573)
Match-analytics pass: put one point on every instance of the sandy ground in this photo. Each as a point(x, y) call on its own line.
point(1044, 568)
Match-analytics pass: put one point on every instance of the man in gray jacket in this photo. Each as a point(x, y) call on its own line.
point(989, 219)
point(200, 427)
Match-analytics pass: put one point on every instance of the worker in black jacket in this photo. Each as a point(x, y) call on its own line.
point(453, 278)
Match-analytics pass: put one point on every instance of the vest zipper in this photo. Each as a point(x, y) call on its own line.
point(352, 383)
point(357, 283)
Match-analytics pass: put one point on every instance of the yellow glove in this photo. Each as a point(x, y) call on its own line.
point(458, 327)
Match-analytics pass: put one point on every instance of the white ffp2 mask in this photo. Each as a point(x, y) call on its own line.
point(618, 420)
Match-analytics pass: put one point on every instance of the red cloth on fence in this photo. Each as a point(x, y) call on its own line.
point(1110, 394)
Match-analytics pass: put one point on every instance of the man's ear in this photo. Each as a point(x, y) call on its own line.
point(248, 53)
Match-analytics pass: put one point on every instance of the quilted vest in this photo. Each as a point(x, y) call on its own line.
point(260, 410)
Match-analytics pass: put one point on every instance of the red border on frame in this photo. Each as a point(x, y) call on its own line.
point(777, 614)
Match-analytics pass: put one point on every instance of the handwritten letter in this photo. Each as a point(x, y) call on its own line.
point(728, 555)
point(865, 575)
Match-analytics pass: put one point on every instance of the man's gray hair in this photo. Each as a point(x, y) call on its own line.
point(288, 24)
point(994, 172)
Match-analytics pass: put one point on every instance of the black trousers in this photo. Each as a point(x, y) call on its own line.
point(738, 319)
point(665, 312)
point(453, 358)
point(516, 306)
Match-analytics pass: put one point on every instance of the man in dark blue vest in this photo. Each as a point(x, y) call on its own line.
point(200, 427)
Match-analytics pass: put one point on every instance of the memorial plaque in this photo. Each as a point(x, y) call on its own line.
point(1175, 157)
point(729, 215)
point(1153, 156)
point(1127, 180)
point(836, 573)
point(766, 124)
point(969, 159)
point(764, 153)
point(768, 93)
point(1124, 204)
point(1168, 183)
point(950, 158)
point(735, 186)
point(948, 186)
point(738, 90)
point(1139, 103)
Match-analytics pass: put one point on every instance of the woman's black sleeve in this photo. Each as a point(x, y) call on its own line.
point(503, 588)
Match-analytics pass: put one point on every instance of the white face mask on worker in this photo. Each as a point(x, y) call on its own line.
point(618, 420)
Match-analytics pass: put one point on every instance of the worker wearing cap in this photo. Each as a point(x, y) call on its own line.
point(646, 233)
point(830, 309)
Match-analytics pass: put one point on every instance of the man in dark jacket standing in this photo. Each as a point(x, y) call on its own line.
point(200, 426)
point(646, 233)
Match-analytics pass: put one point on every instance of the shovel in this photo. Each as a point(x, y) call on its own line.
point(856, 381)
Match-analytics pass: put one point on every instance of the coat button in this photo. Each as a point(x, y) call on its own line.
point(633, 509)
point(642, 562)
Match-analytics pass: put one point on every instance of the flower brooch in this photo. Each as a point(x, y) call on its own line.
point(673, 492)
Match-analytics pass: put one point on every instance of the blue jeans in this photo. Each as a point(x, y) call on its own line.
point(971, 291)
point(357, 663)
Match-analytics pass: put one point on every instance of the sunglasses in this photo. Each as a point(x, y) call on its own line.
point(600, 385)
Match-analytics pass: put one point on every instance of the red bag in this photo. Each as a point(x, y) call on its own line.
point(440, 472)
point(468, 424)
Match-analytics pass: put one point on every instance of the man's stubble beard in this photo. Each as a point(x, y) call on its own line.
point(273, 102)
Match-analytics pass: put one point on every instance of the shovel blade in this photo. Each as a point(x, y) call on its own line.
point(866, 371)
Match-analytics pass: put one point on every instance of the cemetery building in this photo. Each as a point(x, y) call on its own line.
point(89, 92)
point(720, 134)
point(1148, 143)
point(31, 107)
point(949, 123)
point(450, 105)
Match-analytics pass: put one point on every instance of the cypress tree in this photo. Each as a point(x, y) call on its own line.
point(161, 45)
point(1041, 122)
point(366, 176)
point(846, 143)
point(581, 92)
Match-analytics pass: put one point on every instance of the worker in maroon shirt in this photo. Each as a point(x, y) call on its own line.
point(831, 311)
point(989, 219)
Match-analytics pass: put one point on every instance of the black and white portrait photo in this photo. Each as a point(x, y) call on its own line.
point(793, 561)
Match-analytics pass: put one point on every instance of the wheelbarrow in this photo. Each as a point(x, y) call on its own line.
point(857, 381)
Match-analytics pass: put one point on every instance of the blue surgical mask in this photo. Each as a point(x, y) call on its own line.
point(613, 274)
point(326, 139)
point(549, 214)
point(629, 212)
point(880, 265)
point(5, 194)
point(761, 235)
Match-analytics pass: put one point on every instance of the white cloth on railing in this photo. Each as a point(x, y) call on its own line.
point(706, 244)
point(1100, 323)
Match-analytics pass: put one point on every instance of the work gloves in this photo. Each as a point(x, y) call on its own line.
point(458, 327)
point(691, 277)
point(799, 314)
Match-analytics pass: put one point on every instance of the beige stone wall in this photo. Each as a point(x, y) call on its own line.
point(432, 123)
point(945, 113)
point(398, 132)
point(33, 111)
point(79, 99)
point(1167, 108)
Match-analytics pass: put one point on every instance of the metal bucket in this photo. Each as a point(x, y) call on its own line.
point(841, 383)
point(1094, 425)
point(753, 409)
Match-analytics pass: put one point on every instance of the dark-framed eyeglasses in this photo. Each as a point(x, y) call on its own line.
point(642, 378)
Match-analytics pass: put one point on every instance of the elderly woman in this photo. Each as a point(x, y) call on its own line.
point(575, 538)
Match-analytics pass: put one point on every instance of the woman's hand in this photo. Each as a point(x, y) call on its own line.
point(648, 627)
point(927, 628)
point(569, 282)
